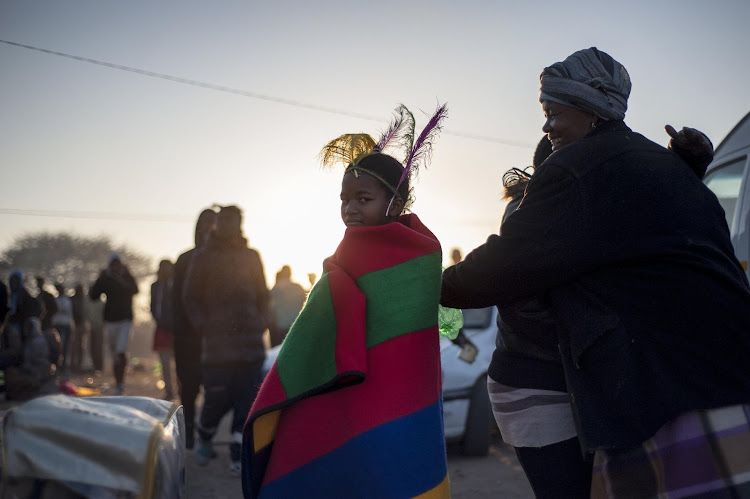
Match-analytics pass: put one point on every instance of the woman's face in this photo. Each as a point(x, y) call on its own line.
point(565, 124)
point(364, 201)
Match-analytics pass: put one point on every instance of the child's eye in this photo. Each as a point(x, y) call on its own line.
point(364, 200)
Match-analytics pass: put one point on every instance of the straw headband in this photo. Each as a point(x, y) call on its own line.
point(357, 169)
point(351, 148)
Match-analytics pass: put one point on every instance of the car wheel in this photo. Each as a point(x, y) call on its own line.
point(476, 441)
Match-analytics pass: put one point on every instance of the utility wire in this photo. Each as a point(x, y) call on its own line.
point(139, 217)
point(254, 95)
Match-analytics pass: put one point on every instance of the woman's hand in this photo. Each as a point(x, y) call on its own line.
point(690, 140)
point(693, 147)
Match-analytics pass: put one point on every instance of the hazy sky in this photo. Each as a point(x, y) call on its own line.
point(77, 137)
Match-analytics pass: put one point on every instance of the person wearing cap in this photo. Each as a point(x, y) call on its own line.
point(651, 307)
point(119, 286)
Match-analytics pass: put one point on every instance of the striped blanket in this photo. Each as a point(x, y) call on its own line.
point(352, 407)
point(701, 454)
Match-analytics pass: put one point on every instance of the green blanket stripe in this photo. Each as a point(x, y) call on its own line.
point(390, 311)
point(316, 341)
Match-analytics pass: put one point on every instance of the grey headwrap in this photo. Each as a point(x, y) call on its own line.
point(590, 80)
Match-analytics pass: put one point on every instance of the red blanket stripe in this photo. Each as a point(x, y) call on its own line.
point(360, 252)
point(349, 305)
point(271, 392)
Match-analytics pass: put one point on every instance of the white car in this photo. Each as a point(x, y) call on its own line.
point(728, 176)
point(467, 414)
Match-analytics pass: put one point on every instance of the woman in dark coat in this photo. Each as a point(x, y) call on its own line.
point(652, 309)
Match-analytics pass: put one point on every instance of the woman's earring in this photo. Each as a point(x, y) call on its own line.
point(593, 124)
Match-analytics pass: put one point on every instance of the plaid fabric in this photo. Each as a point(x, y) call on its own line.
point(701, 454)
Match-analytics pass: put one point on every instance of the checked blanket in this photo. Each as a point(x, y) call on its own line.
point(352, 406)
point(701, 454)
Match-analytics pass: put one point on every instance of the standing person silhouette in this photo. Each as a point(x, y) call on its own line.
point(287, 298)
point(119, 286)
point(226, 299)
point(162, 310)
point(187, 341)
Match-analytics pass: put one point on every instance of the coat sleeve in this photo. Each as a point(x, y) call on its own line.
point(537, 250)
point(130, 283)
point(192, 290)
point(96, 291)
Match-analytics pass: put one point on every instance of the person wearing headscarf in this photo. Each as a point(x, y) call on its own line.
point(651, 307)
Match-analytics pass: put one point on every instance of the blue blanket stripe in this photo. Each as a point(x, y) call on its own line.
point(401, 458)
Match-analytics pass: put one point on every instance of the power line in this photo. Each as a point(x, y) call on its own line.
point(97, 215)
point(255, 95)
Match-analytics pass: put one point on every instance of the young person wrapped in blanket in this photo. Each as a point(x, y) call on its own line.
point(352, 407)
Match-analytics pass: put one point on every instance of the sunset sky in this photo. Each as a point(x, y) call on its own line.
point(97, 150)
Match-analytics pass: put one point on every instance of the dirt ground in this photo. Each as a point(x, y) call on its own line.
point(496, 475)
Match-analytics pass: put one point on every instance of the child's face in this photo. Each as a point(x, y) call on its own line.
point(364, 201)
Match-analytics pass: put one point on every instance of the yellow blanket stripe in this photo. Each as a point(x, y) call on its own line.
point(442, 491)
point(264, 429)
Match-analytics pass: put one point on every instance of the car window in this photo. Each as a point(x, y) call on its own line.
point(725, 182)
point(477, 318)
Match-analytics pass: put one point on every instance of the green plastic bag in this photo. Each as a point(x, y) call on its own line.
point(450, 320)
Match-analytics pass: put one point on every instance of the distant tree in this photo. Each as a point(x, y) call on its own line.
point(68, 258)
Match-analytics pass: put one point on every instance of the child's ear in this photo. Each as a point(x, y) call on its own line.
point(397, 206)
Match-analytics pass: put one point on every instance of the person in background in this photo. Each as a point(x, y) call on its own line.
point(4, 308)
point(33, 375)
point(187, 341)
point(78, 301)
point(287, 299)
point(94, 316)
point(456, 256)
point(162, 310)
point(63, 322)
point(119, 286)
point(49, 305)
point(311, 278)
point(226, 299)
point(22, 306)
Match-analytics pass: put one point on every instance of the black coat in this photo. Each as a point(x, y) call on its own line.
point(226, 299)
point(633, 251)
point(119, 290)
point(183, 328)
point(526, 348)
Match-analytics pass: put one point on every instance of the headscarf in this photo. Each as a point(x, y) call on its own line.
point(590, 80)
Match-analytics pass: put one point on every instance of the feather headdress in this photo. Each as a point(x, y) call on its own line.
point(419, 153)
point(347, 149)
point(351, 148)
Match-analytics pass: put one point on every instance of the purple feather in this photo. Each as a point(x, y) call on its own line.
point(422, 150)
point(394, 129)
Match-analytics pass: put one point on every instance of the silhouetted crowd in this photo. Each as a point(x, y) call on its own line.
point(45, 336)
point(211, 308)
